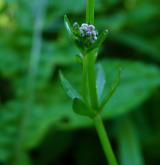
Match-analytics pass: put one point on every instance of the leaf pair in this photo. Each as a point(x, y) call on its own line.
point(79, 106)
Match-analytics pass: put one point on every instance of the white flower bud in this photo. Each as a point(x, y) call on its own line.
point(84, 25)
point(95, 38)
point(91, 27)
point(94, 33)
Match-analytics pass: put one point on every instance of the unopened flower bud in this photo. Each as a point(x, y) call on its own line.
point(86, 33)
point(91, 27)
point(75, 25)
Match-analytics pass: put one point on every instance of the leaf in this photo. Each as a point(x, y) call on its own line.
point(100, 81)
point(24, 159)
point(132, 90)
point(115, 21)
point(138, 43)
point(99, 41)
point(69, 6)
point(9, 116)
point(129, 144)
point(142, 13)
point(68, 27)
point(72, 36)
point(81, 108)
point(70, 91)
point(112, 90)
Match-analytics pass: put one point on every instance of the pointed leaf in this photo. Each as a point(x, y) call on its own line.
point(99, 41)
point(70, 91)
point(68, 26)
point(100, 81)
point(81, 108)
point(71, 34)
point(113, 89)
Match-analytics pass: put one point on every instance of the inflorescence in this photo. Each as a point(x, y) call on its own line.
point(86, 34)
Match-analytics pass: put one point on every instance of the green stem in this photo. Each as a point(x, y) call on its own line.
point(89, 75)
point(105, 141)
point(90, 12)
point(91, 57)
point(85, 80)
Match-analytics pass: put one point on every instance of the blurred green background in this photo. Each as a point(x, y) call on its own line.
point(37, 124)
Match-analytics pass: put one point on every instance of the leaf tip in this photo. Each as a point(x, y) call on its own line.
point(106, 31)
point(60, 74)
point(65, 17)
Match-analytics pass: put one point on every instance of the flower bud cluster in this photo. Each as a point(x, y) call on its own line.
point(86, 33)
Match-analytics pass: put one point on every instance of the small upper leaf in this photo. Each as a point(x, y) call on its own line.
point(70, 91)
point(68, 26)
point(72, 35)
point(99, 41)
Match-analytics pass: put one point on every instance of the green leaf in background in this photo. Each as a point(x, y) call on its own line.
point(129, 144)
point(138, 80)
point(138, 43)
point(114, 22)
point(70, 6)
point(53, 146)
point(142, 12)
point(9, 115)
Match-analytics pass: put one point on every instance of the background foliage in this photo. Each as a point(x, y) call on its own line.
point(37, 124)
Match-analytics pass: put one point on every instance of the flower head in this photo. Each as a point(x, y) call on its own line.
point(86, 33)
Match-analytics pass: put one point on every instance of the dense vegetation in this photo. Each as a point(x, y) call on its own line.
point(37, 124)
